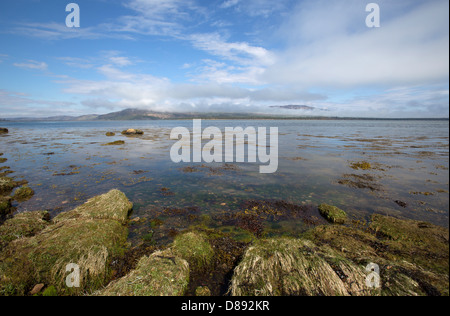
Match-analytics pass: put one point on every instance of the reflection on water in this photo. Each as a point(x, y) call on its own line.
point(406, 175)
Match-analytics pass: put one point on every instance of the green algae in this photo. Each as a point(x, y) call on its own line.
point(23, 194)
point(161, 274)
point(195, 248)
point(332, 214)
point(87, 236)
point(116, 143)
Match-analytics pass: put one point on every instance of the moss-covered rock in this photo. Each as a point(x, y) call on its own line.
point(417, 242)
point(195, 248)
point(5, 206)
point(332, 214)
point(114, 205)
point(285, 267)
point(3, 131)
point(7, 184)
point(23, 225)
point(89, 236)
point(22, 194)
point(110, 134)
point(161, 274)
point(413, 256)
point(116, 143)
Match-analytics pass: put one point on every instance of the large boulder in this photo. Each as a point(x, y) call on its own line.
point(161, 274)
point(166, 273)
point(292, 267)
point(90, 236)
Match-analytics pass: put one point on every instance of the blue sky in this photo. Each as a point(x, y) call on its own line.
point(225, 55)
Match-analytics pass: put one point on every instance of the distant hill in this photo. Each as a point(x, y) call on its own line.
point(294, 107)
point(137, 114)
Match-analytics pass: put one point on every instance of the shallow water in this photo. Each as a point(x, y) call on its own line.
point(66, 163)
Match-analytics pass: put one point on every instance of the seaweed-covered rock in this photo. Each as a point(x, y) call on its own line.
point(114, 206)
point(161, 274)
point(116, 143)
point(89, 236)
point(286, 267)
point(332, 214)
point(22, 194)
point(413, 256)
point(3, 130)
point(110, 134)
point(194, 247)
point(7, 184)
point(23, 225)
point(5, 206)
point(421, 243)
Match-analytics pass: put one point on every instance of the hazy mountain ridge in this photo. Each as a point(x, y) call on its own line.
point(137, 114)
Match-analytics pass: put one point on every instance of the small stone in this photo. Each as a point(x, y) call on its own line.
point(37, 289)
point(133, 131)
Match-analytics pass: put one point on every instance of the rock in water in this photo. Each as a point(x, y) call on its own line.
point(5, 208)
point(131, 132)
point(332, 214)
point(3, 131)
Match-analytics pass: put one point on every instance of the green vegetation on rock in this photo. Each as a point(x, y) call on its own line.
point(50, 291)
point(413, 256)
point(116, 143)
point(7, 184)
point(286, 267)
point(23, 225)
point(89, 236)
point(161, 274)
point(332, 214)
point(5, 206)
point(195, 248)
point(23, 194)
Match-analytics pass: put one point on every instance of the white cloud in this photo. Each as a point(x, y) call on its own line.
point(15, 104)
point(229, 3)
point(32, 64)
point(326, 49)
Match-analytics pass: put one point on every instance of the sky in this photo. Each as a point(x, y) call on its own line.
point(225, 56)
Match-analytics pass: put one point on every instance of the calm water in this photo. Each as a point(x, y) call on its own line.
point(65, 164)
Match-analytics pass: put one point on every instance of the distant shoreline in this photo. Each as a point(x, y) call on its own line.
point(24, 120)
point(146, 115)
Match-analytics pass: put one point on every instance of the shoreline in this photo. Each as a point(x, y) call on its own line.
point(213, 262)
